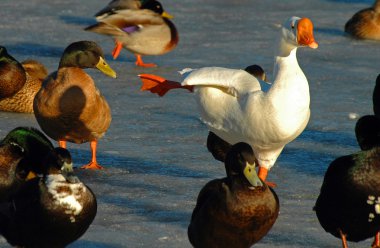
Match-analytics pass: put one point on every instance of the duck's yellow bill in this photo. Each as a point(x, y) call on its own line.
point(251, 175)
point(167, 15)
point(105, 68)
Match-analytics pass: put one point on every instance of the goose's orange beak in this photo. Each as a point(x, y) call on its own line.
point(305, 35)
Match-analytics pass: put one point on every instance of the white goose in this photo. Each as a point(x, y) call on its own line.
point(235, 106)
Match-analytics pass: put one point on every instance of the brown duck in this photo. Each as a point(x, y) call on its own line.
point(235, 211)
point(365, 24)
point(68, 106)
point(19, 83)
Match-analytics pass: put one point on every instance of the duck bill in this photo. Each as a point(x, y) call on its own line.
point(31, 175)
point(167, 15)
point(68, 173)
point(305, 35)
point(105, 68)
point(251, 175)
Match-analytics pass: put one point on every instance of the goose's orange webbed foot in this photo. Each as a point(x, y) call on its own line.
point(159, 85)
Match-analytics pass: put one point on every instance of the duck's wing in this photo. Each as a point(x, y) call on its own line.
point(211, 191)
point(126, 21)
point(233, 81)
point(115, 5)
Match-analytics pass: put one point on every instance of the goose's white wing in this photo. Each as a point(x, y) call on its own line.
point(235, 82)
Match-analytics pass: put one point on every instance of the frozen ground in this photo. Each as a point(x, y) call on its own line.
point(154, 152)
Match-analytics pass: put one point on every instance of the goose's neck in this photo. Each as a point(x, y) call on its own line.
point(286, 69)
point(289, 83)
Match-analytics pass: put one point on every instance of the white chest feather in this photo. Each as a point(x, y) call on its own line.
point(375, 202)
point(66, 195)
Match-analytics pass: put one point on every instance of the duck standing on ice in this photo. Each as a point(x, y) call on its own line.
point(237, 108)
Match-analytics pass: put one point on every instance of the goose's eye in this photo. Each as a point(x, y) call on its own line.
point(293, 24)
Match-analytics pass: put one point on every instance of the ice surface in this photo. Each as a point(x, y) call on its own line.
point(154, 153)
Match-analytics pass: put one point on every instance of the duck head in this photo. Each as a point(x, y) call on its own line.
point(296, 32)
point(59, 162)
point(240, 165)
point(86, 54)
point(156, 6)
point(34, 145)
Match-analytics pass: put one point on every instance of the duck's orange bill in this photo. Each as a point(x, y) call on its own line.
point(159, 85)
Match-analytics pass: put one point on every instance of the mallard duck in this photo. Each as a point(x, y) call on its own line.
point(68, 106)
point(376, 97)
point(21, 152)
point(19, 83)
point(239, 108)
point(365, 24)
point(367, 129)
point(115, 5)
point(236, 211)
point(144, 31)
point(348, 205)
point(49, 211)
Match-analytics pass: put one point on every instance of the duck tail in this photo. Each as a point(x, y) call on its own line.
point(159, 85)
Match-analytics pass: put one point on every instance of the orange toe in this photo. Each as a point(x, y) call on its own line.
point(140, 62)
point(92, 166)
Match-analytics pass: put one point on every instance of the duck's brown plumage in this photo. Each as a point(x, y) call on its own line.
point(68, 106)
point(365, 24)
point(28, 74)
point(12, 74)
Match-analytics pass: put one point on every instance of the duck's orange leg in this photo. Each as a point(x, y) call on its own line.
point(116, 51)
point(344, 240)
point(159, 85)
point(263, 173)
point(376, 241)
point(140, 62)
point(62, 143)
point(93, 164)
